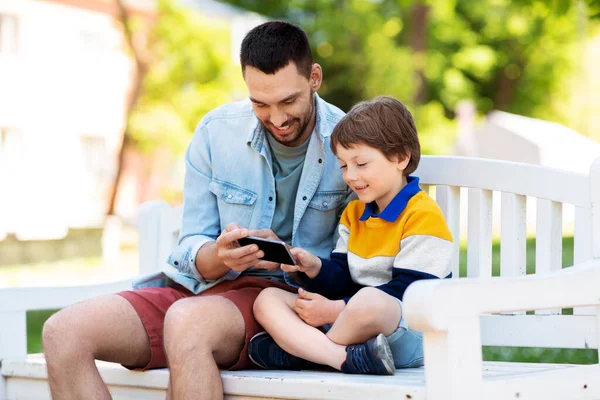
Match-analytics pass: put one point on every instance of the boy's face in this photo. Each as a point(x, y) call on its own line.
point(371, 175)
point(284, 101)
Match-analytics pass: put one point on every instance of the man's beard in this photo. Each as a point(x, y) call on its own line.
point(303, 125)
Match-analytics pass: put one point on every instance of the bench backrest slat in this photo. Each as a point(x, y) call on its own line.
point(583, 247)
point(513, 257)
point(479, 234)
point(548, 243)
point(448, 198)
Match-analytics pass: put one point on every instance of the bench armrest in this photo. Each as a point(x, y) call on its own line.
point(15, 302)
point(47, 298)
point(431, 305)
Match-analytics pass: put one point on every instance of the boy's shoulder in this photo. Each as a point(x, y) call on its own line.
point(353, 211)
point(423, 216)
point(423, 205)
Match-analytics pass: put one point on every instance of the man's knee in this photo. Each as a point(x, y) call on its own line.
point(198, 325)
point(57, 335)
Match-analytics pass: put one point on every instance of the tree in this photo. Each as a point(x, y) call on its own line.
point(141, 62)
point(503, 54)
point(183, 70)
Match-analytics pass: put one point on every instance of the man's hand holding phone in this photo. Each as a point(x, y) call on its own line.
point(231, 254)
point(266, 234)
point(305, 262)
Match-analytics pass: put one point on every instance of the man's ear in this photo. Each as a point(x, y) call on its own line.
point(316, 77)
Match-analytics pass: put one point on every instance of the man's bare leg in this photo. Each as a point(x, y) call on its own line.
point(105, 328)
point(201, 335)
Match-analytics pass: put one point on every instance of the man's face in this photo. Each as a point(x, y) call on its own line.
point(284, 101)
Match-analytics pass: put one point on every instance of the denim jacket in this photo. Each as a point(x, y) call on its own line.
point(229, 178)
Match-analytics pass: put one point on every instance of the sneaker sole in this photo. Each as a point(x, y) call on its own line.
point(385, 352)
point(250, 350)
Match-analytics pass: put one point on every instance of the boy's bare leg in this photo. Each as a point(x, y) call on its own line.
point(368, 313)
point(201, 335)
point(273, 310)
point(105, 328)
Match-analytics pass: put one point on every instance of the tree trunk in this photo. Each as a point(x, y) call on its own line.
point(505, 90)
point(418, 42)
point(141, 68)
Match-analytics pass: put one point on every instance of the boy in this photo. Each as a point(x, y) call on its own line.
point(392, 236)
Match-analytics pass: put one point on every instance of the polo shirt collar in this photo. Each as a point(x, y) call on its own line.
point(398, 203)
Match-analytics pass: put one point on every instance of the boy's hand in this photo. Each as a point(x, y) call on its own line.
point(305, 262)
point(317, 310)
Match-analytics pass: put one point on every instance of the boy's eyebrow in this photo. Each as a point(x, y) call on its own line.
point(352, 158)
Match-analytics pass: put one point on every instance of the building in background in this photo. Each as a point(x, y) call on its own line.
point(65, 76)
point(511, 137)
point(64, 80)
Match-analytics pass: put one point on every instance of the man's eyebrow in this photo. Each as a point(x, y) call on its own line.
point(256, 101)
point(288, 98)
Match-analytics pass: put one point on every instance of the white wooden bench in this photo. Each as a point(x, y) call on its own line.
point(457, 316)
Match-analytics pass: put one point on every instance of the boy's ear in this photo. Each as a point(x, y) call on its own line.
point(402, 164)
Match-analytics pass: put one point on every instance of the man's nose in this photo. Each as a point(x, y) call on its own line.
point(278, 118)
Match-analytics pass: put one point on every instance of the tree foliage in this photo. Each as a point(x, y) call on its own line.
point(191, 72)
point(511, 55)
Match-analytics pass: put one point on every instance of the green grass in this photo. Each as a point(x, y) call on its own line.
point(36, 319)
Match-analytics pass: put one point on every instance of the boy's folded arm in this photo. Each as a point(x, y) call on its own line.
point(333, 280)
point(401, 279)
point(421, 257)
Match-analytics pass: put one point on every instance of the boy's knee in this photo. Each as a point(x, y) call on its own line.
point(265, 300)
point(367, 305)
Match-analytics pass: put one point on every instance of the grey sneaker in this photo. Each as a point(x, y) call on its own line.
point(373, 357)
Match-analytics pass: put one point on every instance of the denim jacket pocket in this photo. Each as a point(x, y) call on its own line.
point(326, 201)
point(236, 204)
point(316, 230)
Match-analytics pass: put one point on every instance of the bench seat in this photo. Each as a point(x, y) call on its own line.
point(28, 380)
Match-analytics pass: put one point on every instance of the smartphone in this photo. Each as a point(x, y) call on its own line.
point(275, 250)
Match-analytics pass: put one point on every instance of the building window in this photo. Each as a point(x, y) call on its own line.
point(10, 139)
point(96, 157)
point(9, 34)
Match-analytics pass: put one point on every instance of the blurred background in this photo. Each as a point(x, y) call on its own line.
point(99, 99)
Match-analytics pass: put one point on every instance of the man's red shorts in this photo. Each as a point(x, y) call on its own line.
point(151, 304)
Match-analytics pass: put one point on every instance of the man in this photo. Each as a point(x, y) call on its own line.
point(261, 167)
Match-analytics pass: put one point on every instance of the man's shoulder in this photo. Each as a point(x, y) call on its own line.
point(329, 116)
point(330, 111)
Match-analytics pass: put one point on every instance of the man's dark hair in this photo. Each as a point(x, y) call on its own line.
point(384, 124)
point(272, 45)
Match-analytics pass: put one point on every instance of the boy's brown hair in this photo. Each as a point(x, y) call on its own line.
point(383, 123)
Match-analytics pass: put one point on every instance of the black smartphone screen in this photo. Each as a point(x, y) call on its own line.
point(274, 250)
